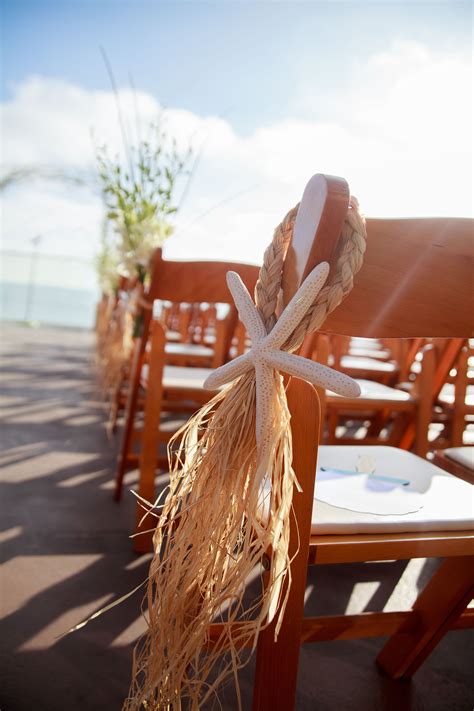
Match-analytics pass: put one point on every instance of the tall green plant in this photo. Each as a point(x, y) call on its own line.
point(139, 194)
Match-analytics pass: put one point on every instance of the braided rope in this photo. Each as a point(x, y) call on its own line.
point(268, 284)
point(349, 260)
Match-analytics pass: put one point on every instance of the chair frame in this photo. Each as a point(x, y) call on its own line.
point(166, 283)
point(441, 605)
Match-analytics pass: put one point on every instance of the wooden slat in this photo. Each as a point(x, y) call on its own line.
point(437, 608)
point(338, 627)
point(148, 453)
point(441, 460)
point(199, 281)
point(466, 621)
point(390, 546)
point(393, 292)
point(365, 624)
point(321, 215)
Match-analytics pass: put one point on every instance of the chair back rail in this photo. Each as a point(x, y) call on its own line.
point(197, 281)
point(408, 263)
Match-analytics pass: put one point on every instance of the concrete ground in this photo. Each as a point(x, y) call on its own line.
point(65, 554)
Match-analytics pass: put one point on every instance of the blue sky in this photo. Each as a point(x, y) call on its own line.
point(377, 92)
point(252, 62)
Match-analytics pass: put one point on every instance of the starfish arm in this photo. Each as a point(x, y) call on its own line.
point(265, 392)
point(298, 306)
point(247, 310)
point(314, 373)
point(228, 372)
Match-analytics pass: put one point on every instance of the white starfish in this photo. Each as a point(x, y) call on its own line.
point(266, 355)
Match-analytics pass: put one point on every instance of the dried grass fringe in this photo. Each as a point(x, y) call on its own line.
point(215, 527)
point(114, 346)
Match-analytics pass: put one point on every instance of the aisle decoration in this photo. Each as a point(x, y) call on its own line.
point(140, 201)
point(139, 194)
point(113, 329)
point(229, 500)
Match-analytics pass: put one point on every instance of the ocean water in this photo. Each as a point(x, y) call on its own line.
point(53, 305)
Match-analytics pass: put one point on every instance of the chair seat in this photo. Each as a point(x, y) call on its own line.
point(447, 502)
point(176, 376)
point(370, 344)
point(173, 336)
point(376, 354)
point(372, 390)
point(446, 396)
point(352, 362)
point(461, 455)
point(191, 350)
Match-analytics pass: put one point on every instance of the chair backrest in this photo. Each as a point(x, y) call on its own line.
point(416, 279)
point(194, 282)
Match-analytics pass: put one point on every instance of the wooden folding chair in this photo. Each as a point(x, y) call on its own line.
point(181, 321)
point(456, 460)
point(404, 410)
point(455, 402)
point(363, 361)
point(188, 282)
point(392, 297)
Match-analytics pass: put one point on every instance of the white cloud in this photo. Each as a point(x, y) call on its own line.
point(401, 137)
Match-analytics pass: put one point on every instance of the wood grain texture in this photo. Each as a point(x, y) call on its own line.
point(277, 661)
point(321, 214)
point(149, 440)
point(408, 264)
point(444, 462)
point(355, 548)
point(197, 281)
point(337, 627)
point(437, 608)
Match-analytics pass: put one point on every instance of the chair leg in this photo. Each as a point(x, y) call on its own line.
point(378, 422)
point(332, 421)
point(425, 401)
point(438, 606)
point(116, 404)
point(459, 409)
point(149, 449)
point(129, 421)
point(277, 661)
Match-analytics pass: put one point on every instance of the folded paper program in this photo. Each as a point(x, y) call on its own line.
point(366, 493)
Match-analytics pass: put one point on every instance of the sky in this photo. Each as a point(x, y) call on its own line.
point(269, 93)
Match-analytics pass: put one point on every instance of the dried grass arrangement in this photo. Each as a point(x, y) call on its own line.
point(114, 348)
point(214, 528)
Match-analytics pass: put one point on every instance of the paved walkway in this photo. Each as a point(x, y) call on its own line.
point(65, 553)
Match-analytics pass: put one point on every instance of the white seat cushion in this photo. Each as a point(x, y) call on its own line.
point(373, 353)
point(461, 455)
point(177, 376)
point(189, 349)
point(446, 396)
point(362, 363)
point(368, 343)
point(371, 390)
point(447, 502)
